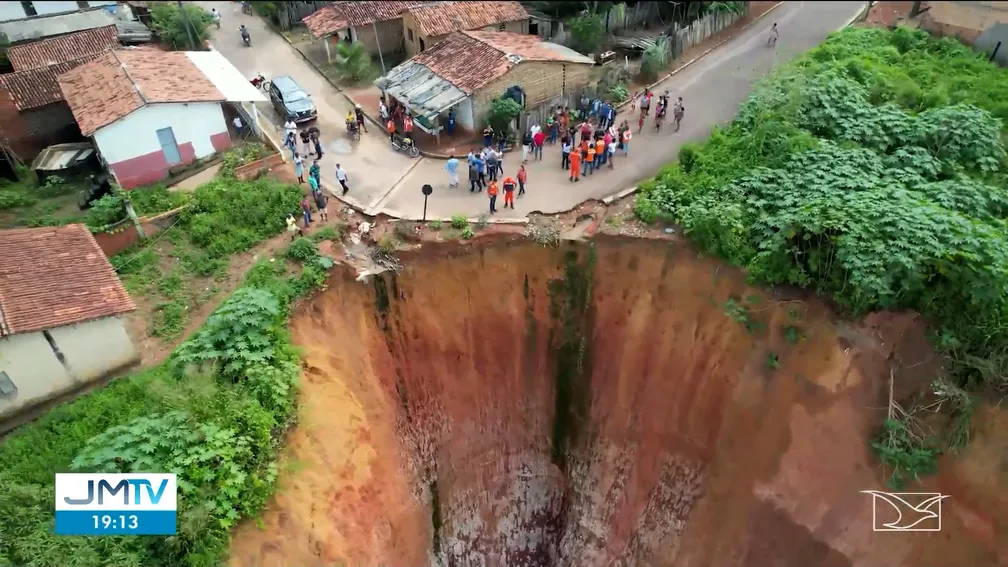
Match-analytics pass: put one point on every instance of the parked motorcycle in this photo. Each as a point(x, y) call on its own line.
point(406, 145)
point(260, 83)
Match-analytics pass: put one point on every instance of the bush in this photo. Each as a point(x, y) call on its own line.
point(352, 63)
point(178, 29)
point(655, 60)
point(240, 155)
point(841, 176)
point(586, 33)
point(503, 112)
point(214, 414)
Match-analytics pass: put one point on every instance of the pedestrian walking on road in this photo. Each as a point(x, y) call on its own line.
point(680, 110)
point(626, 140)
point(451, 166)
point(299, 168)
point(522, 176)
point(538, 140)
point(499, 154)
point(526, 145)
point(565, 151)
point(306, 143)
point(383, 110)
point(492, 192)
point(575, 166)
point(313, 184)
point(290, 126)
point(600, 151)
point(291, 144)
point(314, 133)
point(492, 164)
point(315, 172)
point(322, 204)
point(590, 160)
point(481, 164)
point(509, 189)
point(292, 227)
point(488, 134)
point(306, 211)
point(341, 176)
point(473, 176)
point(611, 152)
point(359, 114)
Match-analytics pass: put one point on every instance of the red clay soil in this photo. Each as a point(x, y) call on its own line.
point(429, 398)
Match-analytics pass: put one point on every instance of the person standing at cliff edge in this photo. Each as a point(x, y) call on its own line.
point(492, 192)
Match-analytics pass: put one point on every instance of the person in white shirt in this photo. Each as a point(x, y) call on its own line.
point(612, 152)
point(216, 16)
point(383, 111)
point(341, 176)
point(238, 124)
point(290, 126)
point(534, 130)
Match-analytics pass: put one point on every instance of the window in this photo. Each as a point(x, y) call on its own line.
point(409, 34)
point(7, 387)
point(29, 8)
point(501, 27)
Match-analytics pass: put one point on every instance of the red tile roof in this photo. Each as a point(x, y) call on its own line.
point(342, 15)
point(440, 18)
point(40, 87)
point(471, 60)
point(64, 48)
point(55, 276)
point(120, 82)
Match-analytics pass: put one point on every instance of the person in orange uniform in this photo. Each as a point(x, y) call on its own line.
point(575, 165)
point(522, 178)
point(492, 192)
point(600, 153)
point(509, 189)
point(589, 160)
point(390, 128)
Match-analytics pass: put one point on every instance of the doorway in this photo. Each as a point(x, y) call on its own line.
point(166, 137)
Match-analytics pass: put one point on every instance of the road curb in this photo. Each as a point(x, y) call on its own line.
point(702, 55)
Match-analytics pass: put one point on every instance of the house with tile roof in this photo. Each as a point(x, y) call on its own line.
point(33, 113)
point(376, 24)
point(467, 70)
point(61, 316)
point(151, 111)
point(427, 24)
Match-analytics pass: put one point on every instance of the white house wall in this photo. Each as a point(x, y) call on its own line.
point(90, 351)
point(134, 153)
point(464, 114)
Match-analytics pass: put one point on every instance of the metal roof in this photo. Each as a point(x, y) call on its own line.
point(420, 89)
point(229, 81)
point(62, 156)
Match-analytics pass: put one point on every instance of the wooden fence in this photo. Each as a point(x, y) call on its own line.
point(679, 40)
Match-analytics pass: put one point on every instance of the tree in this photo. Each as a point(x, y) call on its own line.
point(503, 111)
point(352, 63)
point(586, 33)
point(181, 29)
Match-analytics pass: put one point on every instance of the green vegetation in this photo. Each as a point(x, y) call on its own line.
point(214, 414)
point(871, 170)
point(587, 32)
point(459, 221)
point(503, 112)
point(352, 64)
point(183, 30)
point(181, 267)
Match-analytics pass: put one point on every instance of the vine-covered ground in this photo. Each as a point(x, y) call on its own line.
point(871, 170)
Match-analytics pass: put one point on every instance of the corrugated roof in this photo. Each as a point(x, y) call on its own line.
point(55, 276)
point(62, 49)
point(470, 60)
point(421, 89)
point(120, 82)
point(443, 18)
point(41, 27)
point(343, 15)
point(40, 87)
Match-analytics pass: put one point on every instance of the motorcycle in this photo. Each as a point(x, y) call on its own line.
point(248, 40)
point(246, 8)
point(353, 129)
point(406, 145)
point(260, 83)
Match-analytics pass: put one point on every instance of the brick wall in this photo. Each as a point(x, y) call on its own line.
point(390, 34)
point(123, 235)
point(252, 170)
point(545, 83)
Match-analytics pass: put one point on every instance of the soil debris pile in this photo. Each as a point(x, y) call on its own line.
point(600, 403)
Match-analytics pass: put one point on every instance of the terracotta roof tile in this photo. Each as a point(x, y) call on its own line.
point(464, 61)
point(55, 276)
point(64, 48)
point(470, 60)
point(120, 82)
point(342, 15)
point(440, 18)
point(36, 88)
point(529, 47)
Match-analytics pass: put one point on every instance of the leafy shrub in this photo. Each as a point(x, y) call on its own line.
point(655, 60)
point(352, 63)
point(12, 198)
point(303, 250)
point(388, 243)
point(179, 30)
point(241, 155)
point(110, 209)
point(149, 201)
point(503, 112)
point(459, 222)
point(586, 33)
point(841, 175)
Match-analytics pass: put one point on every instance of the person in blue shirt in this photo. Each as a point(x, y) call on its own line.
point(452, 168)
point(481, 169)
point(450, 126)
point(604, 116)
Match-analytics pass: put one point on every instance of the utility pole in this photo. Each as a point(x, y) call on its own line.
point(184, 16)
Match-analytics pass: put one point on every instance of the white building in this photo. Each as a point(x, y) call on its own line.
point(150, 111)
point(20, 10)
point(61, 307)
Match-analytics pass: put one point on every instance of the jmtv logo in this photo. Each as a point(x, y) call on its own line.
point(136, 486)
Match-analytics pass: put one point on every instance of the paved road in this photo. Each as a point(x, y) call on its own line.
point(372, 166)
point(712, 90)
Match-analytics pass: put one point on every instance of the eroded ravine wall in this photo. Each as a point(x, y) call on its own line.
point(617, 403)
